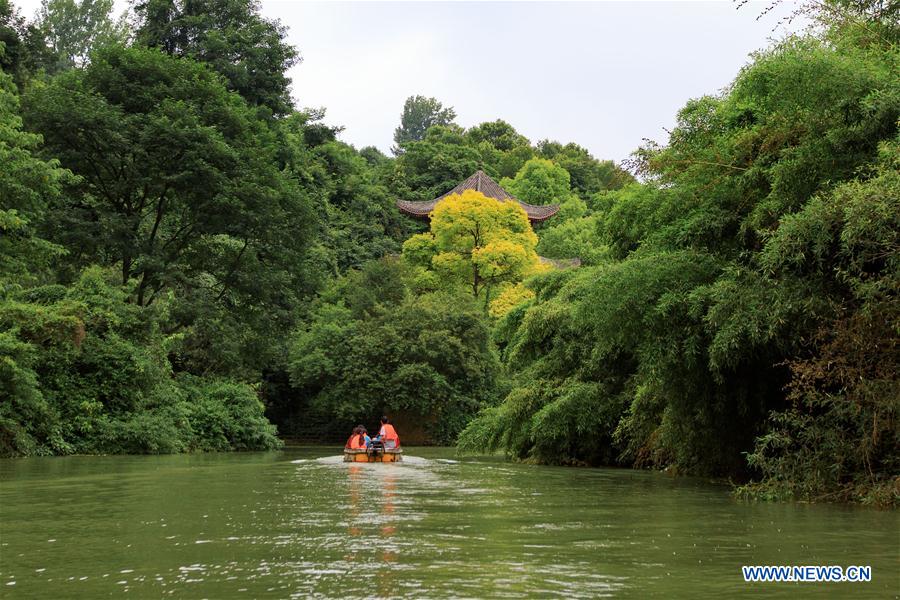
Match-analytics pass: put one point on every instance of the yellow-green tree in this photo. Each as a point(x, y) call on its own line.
point(477, 243)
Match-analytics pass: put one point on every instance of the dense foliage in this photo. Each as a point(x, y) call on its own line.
point(84, 371)
point(229, 36)
point(185, 257)
point(159, 235)
point(759, 254)
point(373, 347)
point(448, 154)
point(168, 218)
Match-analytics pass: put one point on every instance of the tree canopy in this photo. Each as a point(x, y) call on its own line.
point(28, 186)
point(733, 271)
point(419, 114)
point(73, 29)
point(231, 37)
point(539, 181)
point(213, 185)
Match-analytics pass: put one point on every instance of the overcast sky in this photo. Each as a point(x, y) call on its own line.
point(603, 74)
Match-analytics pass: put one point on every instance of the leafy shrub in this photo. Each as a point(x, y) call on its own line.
point(85, 371)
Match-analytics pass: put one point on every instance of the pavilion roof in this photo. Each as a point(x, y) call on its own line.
point(480, 182)
point(561, 263)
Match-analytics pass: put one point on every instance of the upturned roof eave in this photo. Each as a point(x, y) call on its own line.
point(408, 207)
point(480, 182)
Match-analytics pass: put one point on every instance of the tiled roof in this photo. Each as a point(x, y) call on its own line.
point(561, 263)
point(480, 182)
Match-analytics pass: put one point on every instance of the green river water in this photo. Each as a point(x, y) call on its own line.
point(300, 523)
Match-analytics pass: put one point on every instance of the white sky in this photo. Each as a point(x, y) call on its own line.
point(601, 74)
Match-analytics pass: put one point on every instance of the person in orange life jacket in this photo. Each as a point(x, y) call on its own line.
point(388, 434)
point(357, 439)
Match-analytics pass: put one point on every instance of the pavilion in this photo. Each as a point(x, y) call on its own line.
point(480, 182)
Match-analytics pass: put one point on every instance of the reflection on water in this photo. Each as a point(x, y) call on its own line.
point(302, 523)
point(372, 520)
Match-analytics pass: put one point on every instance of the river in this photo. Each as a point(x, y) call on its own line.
point(300, 523)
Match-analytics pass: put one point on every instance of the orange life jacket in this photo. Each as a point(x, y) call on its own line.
point(389, 433)
point(356, 442)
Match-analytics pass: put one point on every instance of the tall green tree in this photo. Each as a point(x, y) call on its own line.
point(362, 223)
point(72, 29)
point(232, 37)
point(501, 146)
point(358, 218)
point(11, 26)
point(28, 187)
point(499, 134)
point(541, 181)
point(420, 113)
point(588, 174)
point(179, 185)
point(23, 49)
point(838, 436)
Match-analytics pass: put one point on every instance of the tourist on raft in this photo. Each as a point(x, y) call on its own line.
point(388, 435)
point(365, 434)
point(358, 439)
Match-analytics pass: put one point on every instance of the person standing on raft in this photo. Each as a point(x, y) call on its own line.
point(388, 435)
